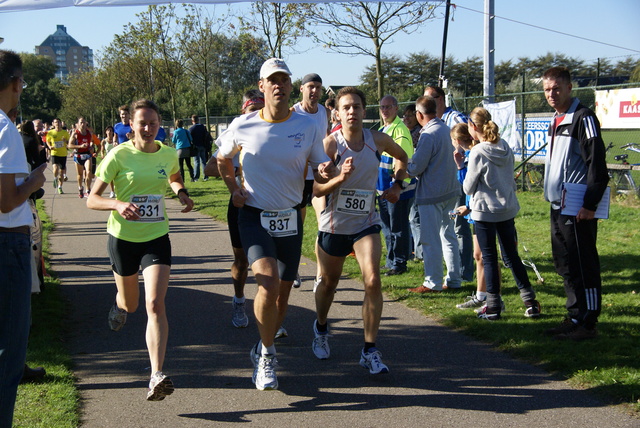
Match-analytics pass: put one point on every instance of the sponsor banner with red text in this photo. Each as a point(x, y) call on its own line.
point(618, 108)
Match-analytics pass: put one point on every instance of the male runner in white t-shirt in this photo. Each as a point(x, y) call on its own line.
point(311, 91)
point(276, 145)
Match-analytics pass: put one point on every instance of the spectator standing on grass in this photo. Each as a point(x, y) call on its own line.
point(490, 184)
point(17, 183)
point(436, 194)
point(451, 118)
point(576, 154)
point(409, 119)
point(202, 141)
point(395, 216)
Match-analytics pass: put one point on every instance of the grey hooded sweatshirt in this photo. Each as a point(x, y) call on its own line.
point(490, 183)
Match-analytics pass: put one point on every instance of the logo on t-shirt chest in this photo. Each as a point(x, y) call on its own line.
point(297, 139)
point(162, 171)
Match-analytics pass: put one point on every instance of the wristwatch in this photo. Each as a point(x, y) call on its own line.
point(403, 184)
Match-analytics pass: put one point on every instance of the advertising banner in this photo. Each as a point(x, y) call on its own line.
point(536, 132)
point(618, 108)
point(504, 115)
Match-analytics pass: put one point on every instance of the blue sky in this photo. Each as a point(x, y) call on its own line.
point(614, 23)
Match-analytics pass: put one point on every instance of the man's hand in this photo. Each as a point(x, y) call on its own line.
point(327, 170)
point(37, 176)
point(392, 194)
point(462, 210)
point(239, 197)
point(585, 214)
point(347, 168)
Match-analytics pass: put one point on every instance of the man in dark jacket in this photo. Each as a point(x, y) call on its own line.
point(576, 154)
point(202, 141)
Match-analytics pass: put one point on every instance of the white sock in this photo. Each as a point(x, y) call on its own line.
point(239, 299)
point(268, 349)
point(481, 295)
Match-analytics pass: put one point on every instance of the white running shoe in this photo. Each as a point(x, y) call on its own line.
point(112, 195)
point(298, 281)
point(239, 317)
point(117, 317)
point(159, 387)
point(282, 332)
point(320, 344)
point(372, 361)
point(471, 302)
point(264, 375)
point(254, 354)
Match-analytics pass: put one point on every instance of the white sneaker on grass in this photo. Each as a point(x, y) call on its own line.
point(372, 361)
point(471, 302)
point(320, 344)
point(117, 317)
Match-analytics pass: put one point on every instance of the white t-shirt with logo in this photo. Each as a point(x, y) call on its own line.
point(273, 156)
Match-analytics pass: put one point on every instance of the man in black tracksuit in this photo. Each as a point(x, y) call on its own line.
point(576, 154)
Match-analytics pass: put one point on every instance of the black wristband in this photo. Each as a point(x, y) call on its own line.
point(183, 190)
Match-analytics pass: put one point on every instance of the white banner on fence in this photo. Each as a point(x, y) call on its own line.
point(618, 108)
point(504, 115)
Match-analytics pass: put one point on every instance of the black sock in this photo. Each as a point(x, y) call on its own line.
point(321, 328)
point(368, 345)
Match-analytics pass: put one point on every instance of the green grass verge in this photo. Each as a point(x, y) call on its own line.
point(52, 402)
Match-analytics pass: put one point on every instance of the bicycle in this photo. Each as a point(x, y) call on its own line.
point(621, 178)
point(534, 175)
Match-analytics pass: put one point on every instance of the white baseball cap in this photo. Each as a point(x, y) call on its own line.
point(272, 66)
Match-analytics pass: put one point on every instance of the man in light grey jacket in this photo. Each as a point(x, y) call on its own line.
point(437, 192)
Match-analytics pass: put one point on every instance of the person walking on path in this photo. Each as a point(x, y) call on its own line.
point(17, 183)
point(350, 221)
point(494, 205)
point(138, 230)
point(182, 142)
point(576, 154)
point(277, 144)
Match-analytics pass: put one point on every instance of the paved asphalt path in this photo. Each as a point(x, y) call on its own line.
point(438, 378)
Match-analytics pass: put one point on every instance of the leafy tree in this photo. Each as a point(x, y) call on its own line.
point(281, 24)
point(43, 97)
point(352, 24)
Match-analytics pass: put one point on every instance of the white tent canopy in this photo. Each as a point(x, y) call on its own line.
point(17, 5)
